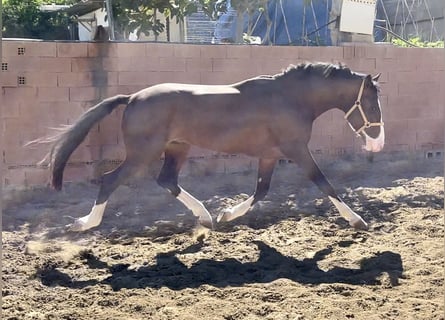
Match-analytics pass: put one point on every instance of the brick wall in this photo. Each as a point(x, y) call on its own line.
point(46, 84)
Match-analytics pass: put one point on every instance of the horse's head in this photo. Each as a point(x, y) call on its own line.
point(365, 116)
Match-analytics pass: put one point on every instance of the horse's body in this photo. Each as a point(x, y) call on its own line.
point(268, 117)
point(235, 121)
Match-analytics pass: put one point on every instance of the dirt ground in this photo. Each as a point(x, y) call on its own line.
point(291, 257)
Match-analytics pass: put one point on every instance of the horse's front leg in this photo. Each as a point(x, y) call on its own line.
point(302, 156)
point(265, 171)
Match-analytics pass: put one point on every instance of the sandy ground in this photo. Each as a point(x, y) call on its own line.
point(292, 257)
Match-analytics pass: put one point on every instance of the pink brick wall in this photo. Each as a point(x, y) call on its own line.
point(62, 80)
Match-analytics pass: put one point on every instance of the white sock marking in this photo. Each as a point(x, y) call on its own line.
point(354, 219)
point(196, 207)
point(237, 211)
point(93, 219)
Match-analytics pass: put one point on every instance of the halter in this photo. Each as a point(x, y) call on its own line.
point(358, 105)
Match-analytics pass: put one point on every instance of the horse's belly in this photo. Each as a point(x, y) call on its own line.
point(255, 143)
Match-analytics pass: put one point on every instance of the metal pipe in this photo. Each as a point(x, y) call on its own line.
point(109, 8)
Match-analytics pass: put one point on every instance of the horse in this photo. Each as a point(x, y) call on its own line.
point(269, 117)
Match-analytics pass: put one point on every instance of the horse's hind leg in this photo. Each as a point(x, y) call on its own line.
point(302, 156)
point(140, 152)
point(175, 155)
point(110, 181)
point(265, 170)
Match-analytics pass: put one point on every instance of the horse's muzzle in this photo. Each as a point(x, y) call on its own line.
point(375, 145)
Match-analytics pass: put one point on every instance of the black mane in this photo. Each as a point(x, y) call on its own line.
point(322, 69)
point(326, 70)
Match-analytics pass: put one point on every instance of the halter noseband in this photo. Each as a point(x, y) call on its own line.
point(358, 105)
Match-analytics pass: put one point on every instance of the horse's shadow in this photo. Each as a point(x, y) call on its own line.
point(271, 265)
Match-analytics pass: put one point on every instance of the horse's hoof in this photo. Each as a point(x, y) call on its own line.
point(224, 216)
point(359, 225)
point(220, 217)
point(206, 223)
point(76, 226)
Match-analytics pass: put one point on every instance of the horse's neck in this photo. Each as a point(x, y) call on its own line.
point(332, 94)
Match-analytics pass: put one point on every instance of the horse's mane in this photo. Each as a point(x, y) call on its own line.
point(326, 70)
point(321, 69)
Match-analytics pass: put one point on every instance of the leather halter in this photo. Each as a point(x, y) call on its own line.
point(358, 105)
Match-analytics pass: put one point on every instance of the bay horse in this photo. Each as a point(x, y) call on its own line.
point(267, 117)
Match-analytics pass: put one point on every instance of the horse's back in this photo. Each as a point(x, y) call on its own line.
point(183, 89)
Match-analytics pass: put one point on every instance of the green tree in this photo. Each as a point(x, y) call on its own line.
point(24, 19)
point(249, 8)
point(244, 9)
point(143, 15)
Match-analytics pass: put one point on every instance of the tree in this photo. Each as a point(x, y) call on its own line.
point(249, 7)
point(24, 19)
point(142, 16)
point(244, 8)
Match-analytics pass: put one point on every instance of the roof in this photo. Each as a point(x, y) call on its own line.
point(53, 7)
point(84, 7)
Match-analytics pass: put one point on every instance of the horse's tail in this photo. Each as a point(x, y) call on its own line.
point(70, 138)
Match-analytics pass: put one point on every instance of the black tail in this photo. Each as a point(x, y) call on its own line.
point(66, 142)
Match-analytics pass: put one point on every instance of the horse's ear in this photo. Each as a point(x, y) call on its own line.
point(368, 81)
point(376, 77)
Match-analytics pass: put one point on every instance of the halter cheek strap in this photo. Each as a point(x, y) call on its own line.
point(358, 105)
